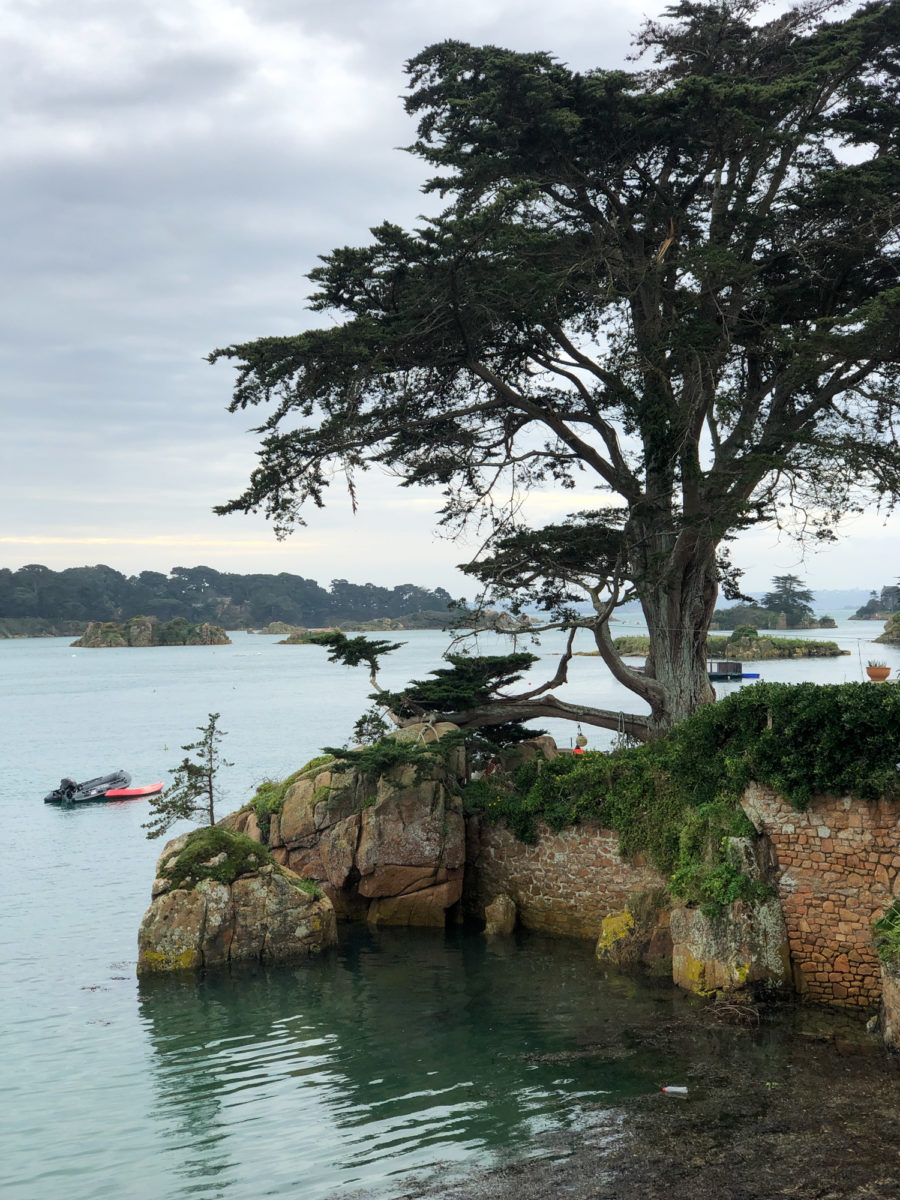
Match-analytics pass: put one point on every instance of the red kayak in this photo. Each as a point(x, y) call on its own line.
point(151, 789)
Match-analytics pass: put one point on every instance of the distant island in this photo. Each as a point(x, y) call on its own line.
point(763, 618)
point(787, 606)
point(148, 631)
point(459, 619)
point(745, 645)
point(879, 606)
point(36, 600)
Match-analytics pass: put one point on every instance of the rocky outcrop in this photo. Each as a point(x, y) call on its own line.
point(638, 935)
point(220, 898)
point(388, 850)
point(891, 634)
point(149, 631)
point(745, 945)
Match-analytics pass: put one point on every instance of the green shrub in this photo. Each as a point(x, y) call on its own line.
point(886, 932)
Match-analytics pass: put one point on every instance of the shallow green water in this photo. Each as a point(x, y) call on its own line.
point(403, 1053)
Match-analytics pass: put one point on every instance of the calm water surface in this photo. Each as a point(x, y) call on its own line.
point(402, 1052)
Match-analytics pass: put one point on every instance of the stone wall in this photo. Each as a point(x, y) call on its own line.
point(565, 883)
point(838, 865)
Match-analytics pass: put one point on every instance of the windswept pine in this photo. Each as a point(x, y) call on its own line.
point(674, 286)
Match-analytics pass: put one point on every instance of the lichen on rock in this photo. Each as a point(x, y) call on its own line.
point(745, 945)
point(388, 845)
point(219, 897)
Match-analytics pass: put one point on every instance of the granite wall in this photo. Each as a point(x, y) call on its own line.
point(565, 883)
point(837, 868)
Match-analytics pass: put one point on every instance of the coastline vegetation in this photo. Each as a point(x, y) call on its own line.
point(676, 799)
point(886, 935)
point(52, 601)
point(194, 790)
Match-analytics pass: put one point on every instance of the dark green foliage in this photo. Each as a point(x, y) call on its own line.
point(371, 727)
point(383, 756)
point(788, 596)
point(886, 931)
point(714, 885)
point(198, 594)
point(194, 788)
point(676, 799)
point(353, 651)
point(469, 682)
point(744, 631)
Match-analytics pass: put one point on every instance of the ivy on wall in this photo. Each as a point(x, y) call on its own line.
point(676, 800)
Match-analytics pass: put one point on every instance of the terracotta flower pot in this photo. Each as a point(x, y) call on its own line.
point(879, 674)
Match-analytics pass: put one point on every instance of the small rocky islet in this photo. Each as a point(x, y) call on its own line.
point(150, 631)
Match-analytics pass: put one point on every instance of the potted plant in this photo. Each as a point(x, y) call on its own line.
point(878, 671)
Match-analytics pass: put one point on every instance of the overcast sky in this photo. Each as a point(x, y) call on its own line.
point(171, 169)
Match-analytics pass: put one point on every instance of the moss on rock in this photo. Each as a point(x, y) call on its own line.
point(214, 853)
point(271, 793)
point(222, 855)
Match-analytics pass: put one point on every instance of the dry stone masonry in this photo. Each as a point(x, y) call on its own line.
point(566, 883)
point(838, 868)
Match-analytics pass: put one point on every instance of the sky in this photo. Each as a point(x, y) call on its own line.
point(171, 169)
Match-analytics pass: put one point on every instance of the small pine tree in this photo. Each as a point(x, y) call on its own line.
point(193, 792)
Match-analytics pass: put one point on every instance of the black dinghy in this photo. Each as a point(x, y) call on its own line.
point(70, 792)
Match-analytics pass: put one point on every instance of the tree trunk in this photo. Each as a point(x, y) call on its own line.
point(678, 614)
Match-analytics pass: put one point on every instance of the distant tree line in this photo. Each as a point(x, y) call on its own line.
point(203, 594)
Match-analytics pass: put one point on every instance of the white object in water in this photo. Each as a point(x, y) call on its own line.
point(675, 1091)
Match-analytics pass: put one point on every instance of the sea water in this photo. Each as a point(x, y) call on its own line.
point(402, 1053)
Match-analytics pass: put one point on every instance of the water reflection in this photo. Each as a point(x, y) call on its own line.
point(399, 1051)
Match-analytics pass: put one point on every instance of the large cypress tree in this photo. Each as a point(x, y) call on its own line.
point(677, 285)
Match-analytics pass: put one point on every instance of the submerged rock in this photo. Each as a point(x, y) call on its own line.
point(500, 916)
point(220, 897)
